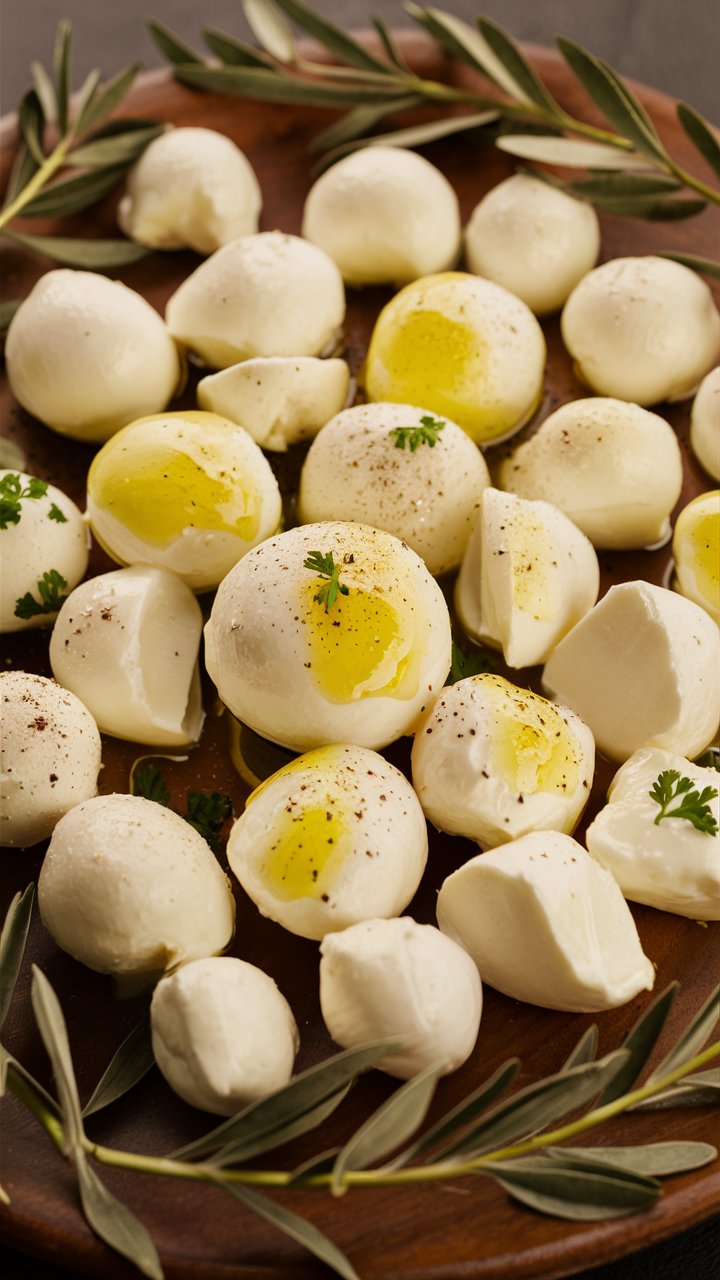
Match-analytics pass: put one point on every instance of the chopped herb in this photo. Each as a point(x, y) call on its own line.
point(474, 663)
point(428, 433)
point(49, 588)
point(12, 494)
point(694, 805)
point(147, 781)
point(207, 812)
point(56, 514)
point(325, 567)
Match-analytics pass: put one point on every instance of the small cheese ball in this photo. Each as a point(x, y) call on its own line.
point(642, 329)
point(266, 295)
point(128, 887)
point(49, 756)
point(395, 978)
point(191, 188)
point(385, 216)
point(532, 239)
point(696, 551)
point(42, 532)
point(86, 355)
point(705, 423)
point(398, 468)
point(223, 1035)
point(615, 469)
point(279, 400)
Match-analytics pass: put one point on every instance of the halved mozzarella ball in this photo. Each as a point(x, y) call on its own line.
point(49, 756)
point(128, 887)
point(279, 400)
point(643, 670)
point(187, 491)
point(398, 468)
point(45, 531)
point(615, 469)
point(385, 215)
point(544, 922)
point(527, 577)
point(705, 423)
point(462, 348)
point(223, 1034)
point(669, 864)
point(642, 329)
point(696, 550)
point(143, 625)
point(533, 239)
point(492, 762)
point(352, 652)
point(264, 295)
point(86, 355)
point(191, 188)
point(395, 978)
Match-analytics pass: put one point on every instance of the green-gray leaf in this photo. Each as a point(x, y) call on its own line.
point(613, 98)
point(702, 1089)
point(416, 135)
point(233, 52)
point(334, 38)
point(108, 97)
point(85, 102)
point(296, 1227)
point(653, 1159)
point(61, 68)
point(12, 945)
point(247, 1147)
point(524, 76)
point(320, 1164)
point(72, 195)
point(652, 209)
point(30, 120)
point(700, 134)
point(359, 121)
point(387, 1128)
point(579, 1194)
point(114, 1223)
point(93, 254)
point(270, 28)
point(704, 266)
point(45, 91)
point(132, 1061)
point(51, 1025)
point(639, 1044)
point(585, 1050)
point(612, 185)
point(270, 86)
point(23, 168)
point(174, 49)
point(392, 50)
point(692, 1039)
point(117, 149)
point(572, 153)
point(467, 44)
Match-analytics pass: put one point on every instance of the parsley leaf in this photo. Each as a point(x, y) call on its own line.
point(428, 433)
point(49, 588)
point(474, 663)
point(56, 514)
point(325, 567)
point(12, 494)
point(207, 812)
point(147, 781)
point(694, 805)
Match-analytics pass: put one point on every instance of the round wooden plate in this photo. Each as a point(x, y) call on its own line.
point(469, 1229)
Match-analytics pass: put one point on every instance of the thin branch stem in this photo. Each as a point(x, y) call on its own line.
point(53, 162)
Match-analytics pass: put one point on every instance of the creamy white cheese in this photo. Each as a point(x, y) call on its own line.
point(279, 400)
point(696, 552)
point(705, 423)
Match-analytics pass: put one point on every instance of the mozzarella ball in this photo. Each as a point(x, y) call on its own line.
point(385, 216)
point(334, 837)
point(42, 531)
point(696, 550)
point(264, 295)
point(615, 469)
point(398, 468)
point(279, 400)
point(462, 348)
point(669, 864)
point(143, 625)
point(643, 670)
point(49, 756)
point(493, 762)
point(191, 188)
point(130, 888)
point(223, 1035)
point(642, 329)
point(305, 669)
point(532, 239)
point(546, 923)
point(86, 355)
point(527, 577)
point(189, 491)
point(705, 423)
point(395, 978)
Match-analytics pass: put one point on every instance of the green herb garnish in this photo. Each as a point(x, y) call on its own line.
point(147, 781)
point(325, 567)
point(207, 812)
point(56, 514)
point(428, 433)
point(694, 805)
point(49, 587)
point(12, 494)
point(474, 663)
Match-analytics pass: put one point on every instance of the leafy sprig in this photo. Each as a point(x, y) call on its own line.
point(206, 811)
point(412, 437)
point(694, 805)
point(475, 662)
point(324, 566)
point(51, 595)
point(13, 493)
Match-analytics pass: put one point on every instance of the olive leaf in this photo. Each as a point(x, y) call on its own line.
point(116, 148)
point(572, 153)
point(320, 1164)
point(700, 1090)
point(296, 1227)
point(656, 1159)
point(233, 52)
point(73, 194)
point(392, 49)
point(700, 134)
point(620, 107)
point(92, 254)
point(416, 135)
point(585, 1050)
point(12, 945)
point(639, 1044)
point(271, 28)
point(577, 1191)
point(467, 44)
point(24, 167)
point(108, 97)
point(129, 1064)
point(84, 99)
point(394, 1121)
point(333, 38)
point(522, 73)
point(360, 120)
point(692, 1039)
point(45, 90)
point(174, 49)
point(51, 1025)
point(269, 86)
point(114, 1223)
point(62, 71)
point(30, 122)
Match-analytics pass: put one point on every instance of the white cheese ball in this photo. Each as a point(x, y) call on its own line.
point(547, 924)
point(86, 355)
point(186, 491)
point(696, 552)
point(128, 887)
point(144, 626)
point(395, 978)
point(49, 756)
point(532, 239)
point(643, 670)
point(705, 423)
point(492, 762)
point(398, 468)
point(48, 534)
point(191, 188)
point(335, 837)
point(385, 216)
point(528, 575)
point(668, 864)
point(223, 1034)
point(266, 295)
point(615, 469)
point(305, 671)
point(279, 400)
point(642, 329)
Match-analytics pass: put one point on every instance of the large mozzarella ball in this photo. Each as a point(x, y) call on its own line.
point(335, 837)
point(189, 491)
point(191, 188)
point(395, 978)
point(705, 423)
point(223, 1034)
point(398, 468)
point(642, 329)
point(349, 652)
point(533, 239)
point(264, 295)
point(696, 552)
point(128, 887)
point(41, 531)
point(463, 348)
point(143, 625)
point(385, 216)
point(279, 400)
point(49, 756)
point(86, 355)
point(615, 469)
